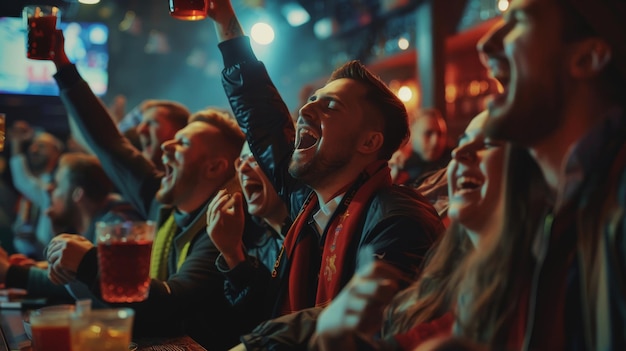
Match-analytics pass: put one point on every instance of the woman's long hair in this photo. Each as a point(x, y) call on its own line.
point(433, 294)
point(493, 280)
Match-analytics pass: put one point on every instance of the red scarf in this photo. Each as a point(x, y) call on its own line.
point(339, 235)
point(423, 332)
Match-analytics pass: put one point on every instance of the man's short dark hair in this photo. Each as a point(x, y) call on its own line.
point(85, 171)
point(178, 114)
point(226, 123)
point(388, 109)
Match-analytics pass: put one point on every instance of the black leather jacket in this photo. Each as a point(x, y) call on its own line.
point(399, 223)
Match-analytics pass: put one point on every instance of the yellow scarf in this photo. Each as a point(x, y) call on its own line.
point(161, 249)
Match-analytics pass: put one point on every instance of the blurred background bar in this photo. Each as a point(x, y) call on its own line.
point(425, 50)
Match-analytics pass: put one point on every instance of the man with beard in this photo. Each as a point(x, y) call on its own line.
point(562, 65)
point(31, 171)
point(334, 179)
point(160, 120)
point(80, 195)
point(186, 290)
point(151, 123)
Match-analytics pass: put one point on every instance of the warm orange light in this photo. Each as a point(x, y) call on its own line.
point(405, 94)
point(500, 87)
point(474, 88)
point(450, 93)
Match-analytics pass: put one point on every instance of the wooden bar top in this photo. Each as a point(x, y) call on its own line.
point(13, 333)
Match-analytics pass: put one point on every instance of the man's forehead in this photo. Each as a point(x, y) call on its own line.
point(546, 9)
point(342, 88)
point(45, 139)
point(154, 113)
point(426, 121)
point(197, 128)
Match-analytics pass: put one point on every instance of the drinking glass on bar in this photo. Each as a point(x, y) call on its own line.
point(124, 251)
point(50, 329)
point(102, 330)
point(41, 23)
point(2, 130)
point(189, 10)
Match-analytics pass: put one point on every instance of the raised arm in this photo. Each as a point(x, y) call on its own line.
point(33, 188)
point(90, 122)
point(227, 25)
point(256, 103)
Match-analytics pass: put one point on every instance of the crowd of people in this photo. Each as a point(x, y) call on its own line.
point(334, 231)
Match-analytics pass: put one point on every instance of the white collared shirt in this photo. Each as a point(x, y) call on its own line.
point(322, 216)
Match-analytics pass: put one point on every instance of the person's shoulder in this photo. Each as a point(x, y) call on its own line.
point(399, 192)
point(401, 200)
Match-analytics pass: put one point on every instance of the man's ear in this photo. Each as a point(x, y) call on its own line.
point(77, 194)
point(216, 166)
point(371, 142)
point(590, 57)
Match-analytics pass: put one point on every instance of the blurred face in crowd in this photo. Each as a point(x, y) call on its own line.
point(261, 198)
point(475, 176)
point(154, 129)
point(62, 211)
point(43, 152)
point(328, 130)
point(187, 159)
point(428, 137)
point(527, 55)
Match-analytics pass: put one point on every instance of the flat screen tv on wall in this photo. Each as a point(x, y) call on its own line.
point(85, 45)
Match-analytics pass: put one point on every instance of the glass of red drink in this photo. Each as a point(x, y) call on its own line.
point(41, 23)
point(189, 10)
point(50, 329)
point(124, 251)
point(2, 130)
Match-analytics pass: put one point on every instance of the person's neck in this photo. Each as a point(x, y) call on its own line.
point(552, 152)
point(87, 211)
point(485, 228)
point(206, 189)
point(332, 185)
point(40, 171)
point(193, 203)
point(276, 219)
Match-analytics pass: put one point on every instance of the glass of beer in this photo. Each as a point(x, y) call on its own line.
point(102, 330)
point(2, 131)
point(50, 329)
point(124, 251)
point(189, 10)
point(41, 23)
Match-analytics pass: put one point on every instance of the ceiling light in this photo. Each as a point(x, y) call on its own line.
point(295, 14)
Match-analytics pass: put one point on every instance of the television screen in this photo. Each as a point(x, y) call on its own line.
point(85, 45)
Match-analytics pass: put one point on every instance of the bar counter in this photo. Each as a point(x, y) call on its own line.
point(14, 337)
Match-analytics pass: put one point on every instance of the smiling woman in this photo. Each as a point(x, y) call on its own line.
point(474, 180)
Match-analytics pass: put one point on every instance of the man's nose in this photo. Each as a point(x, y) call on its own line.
point(463, 154)
point(491, 42)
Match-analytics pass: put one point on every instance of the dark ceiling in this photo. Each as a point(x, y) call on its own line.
point(297, 58)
